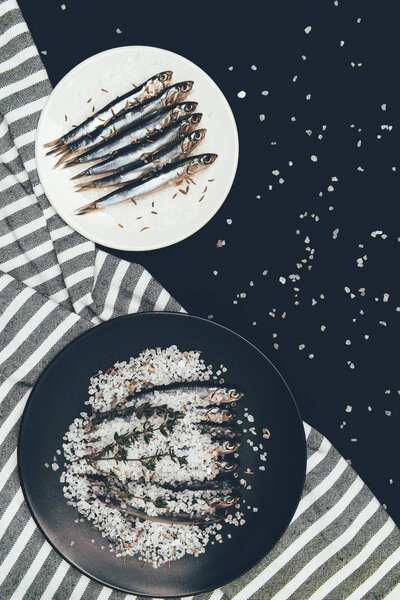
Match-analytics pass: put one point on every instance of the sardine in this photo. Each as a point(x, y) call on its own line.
point(143, 131)
point(128, 119)
point(143, 92)
point(213, 512)
point(153, 163)
point(143, 151)
point(158, 396)
point(154, 181)
point(171, 518)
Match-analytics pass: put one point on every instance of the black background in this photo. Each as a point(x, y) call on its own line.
point(262, 235)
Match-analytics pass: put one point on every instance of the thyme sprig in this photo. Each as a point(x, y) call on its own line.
point(122, 442)
point(123, 492)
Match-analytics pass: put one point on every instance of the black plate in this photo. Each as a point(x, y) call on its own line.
point(57, 399)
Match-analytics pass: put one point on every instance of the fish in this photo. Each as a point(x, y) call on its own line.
point(170, 154)
point(221, 484)
point(220, 431)
point(141, 152)
point(139, 94)
point(212, 514)
point(158, 396)
point(162, 179)
point(171, 518)
point(128, 119)
point(142, 132)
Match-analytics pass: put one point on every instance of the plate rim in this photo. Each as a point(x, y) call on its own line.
point(127, 248)
point(103, 325)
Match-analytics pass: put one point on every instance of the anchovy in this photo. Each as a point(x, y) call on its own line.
point(128, 119)
point(213, 513)
point(164, 178)
point(143, 92)
point(143, 131)
point(222, 484)
point(132, 173)
point(171, 518)
point(143, 151)
point(220, 431)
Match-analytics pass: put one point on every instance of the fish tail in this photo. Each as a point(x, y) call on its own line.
point(57, 149)
point(53, 143)
point(81, 187)
point(87, 208)
point(82, 174)
point(69, 163)
point(62, 159)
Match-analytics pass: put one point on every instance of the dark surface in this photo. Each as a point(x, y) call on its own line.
point(263, 232)
point(58, 399)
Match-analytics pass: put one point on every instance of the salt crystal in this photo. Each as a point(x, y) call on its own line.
point(242, 94)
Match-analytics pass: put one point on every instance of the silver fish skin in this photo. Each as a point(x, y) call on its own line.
point(139, 94)
point(219, 431)
point(129, 118)
point(170, 154)
point(143, 131)
point(219, 484)
point(135, 154)
point(214, 413)
point(160, 180)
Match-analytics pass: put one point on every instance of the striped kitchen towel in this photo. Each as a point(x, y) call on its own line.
point(54, 285)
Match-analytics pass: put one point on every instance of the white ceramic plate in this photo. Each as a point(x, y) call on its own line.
point(115, 70)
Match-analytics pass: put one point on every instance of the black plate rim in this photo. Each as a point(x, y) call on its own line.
point(109, 323)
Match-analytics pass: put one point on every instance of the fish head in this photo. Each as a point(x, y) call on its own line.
point(177, 92)
point(157, 83)
point(224, 395)
point(221, 502)
point(198, 163)
point(229, 446)
point(215, 414)
point(227, 466)
point(188, 124)
point(192, 140)
point(182, 110)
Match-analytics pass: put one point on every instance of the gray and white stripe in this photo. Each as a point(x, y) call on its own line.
point(55, 285)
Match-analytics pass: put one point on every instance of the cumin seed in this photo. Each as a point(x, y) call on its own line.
point(103, 90)
point(119, 225)
point(143, 228)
